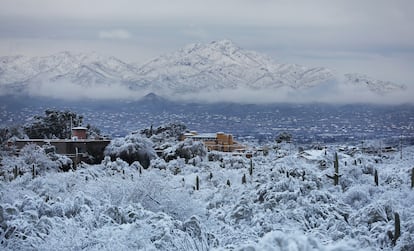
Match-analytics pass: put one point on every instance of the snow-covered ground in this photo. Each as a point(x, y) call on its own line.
point(288, 203)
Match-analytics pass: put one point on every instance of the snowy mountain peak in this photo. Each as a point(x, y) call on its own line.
point(222, 65)
point(225, 46)
point(222, 45)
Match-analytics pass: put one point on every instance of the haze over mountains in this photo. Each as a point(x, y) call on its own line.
point(217, 71)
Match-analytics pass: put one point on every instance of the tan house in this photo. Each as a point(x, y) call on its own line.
point(216, 141)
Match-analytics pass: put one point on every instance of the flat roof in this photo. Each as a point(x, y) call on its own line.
point(61, 140)
point(204, 135)
point(79, 128)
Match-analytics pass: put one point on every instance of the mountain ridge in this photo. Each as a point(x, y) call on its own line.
point(196, 71)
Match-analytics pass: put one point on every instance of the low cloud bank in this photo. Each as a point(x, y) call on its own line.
point(70, 91)
point(337, 94)
point(326, 93)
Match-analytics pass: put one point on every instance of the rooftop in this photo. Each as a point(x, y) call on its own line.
point(204, 135)
point(79, 128)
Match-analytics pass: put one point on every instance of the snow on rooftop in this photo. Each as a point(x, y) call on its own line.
point(205, 135)
point(79, 128)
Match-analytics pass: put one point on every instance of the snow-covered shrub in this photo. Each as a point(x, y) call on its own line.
point(34, 154)
point(176, 165)
point(279, 241)
point(132, 148)
point(159, 164)
point(63, 161)
point(34, 158)
point(357, 197)
point(189, 149)
point(215, 156)
point(235, 162)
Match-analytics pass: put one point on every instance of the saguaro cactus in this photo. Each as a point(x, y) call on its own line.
point(394, 236)
point(197, 183)
point(412, 178)
point(376, 177)
point(15, 172)
point(336, 175)
point(251, 167)
point(244, 179)
point(397, 227)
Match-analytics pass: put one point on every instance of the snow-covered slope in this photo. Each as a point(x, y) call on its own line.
point(287, 203)
point(193, 71)
point(82, 69)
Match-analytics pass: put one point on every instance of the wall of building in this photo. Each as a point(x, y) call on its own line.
point(94, 148)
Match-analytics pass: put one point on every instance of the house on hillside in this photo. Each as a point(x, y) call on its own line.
point(216, 141)
point(78, 148)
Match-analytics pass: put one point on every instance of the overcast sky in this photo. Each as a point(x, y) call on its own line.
point(375, 37)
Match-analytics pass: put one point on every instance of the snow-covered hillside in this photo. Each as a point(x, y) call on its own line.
point(288, 203)
point(195, 70)
point(77, 68)
point(377, 86)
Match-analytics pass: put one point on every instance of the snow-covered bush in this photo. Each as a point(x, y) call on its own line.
point(189, 149)
point(6, 133)
point(159, 164)
point(132, 148)
point(34, 158)
point(279, 241)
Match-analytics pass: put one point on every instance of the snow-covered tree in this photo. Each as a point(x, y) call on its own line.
point(132, 148)
point(163, 132)
point(8, 132)
point(284, 137)
point(55, 124)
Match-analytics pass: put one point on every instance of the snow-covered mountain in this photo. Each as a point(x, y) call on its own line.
point(197, 69)
point(81, 69)
point(223, 65)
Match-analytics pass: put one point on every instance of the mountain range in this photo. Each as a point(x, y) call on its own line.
point(217, 71)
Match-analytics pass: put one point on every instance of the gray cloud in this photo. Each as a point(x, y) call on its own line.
point(114, 34)
point(371, 36)
point(70, 91)
point(335, 94)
